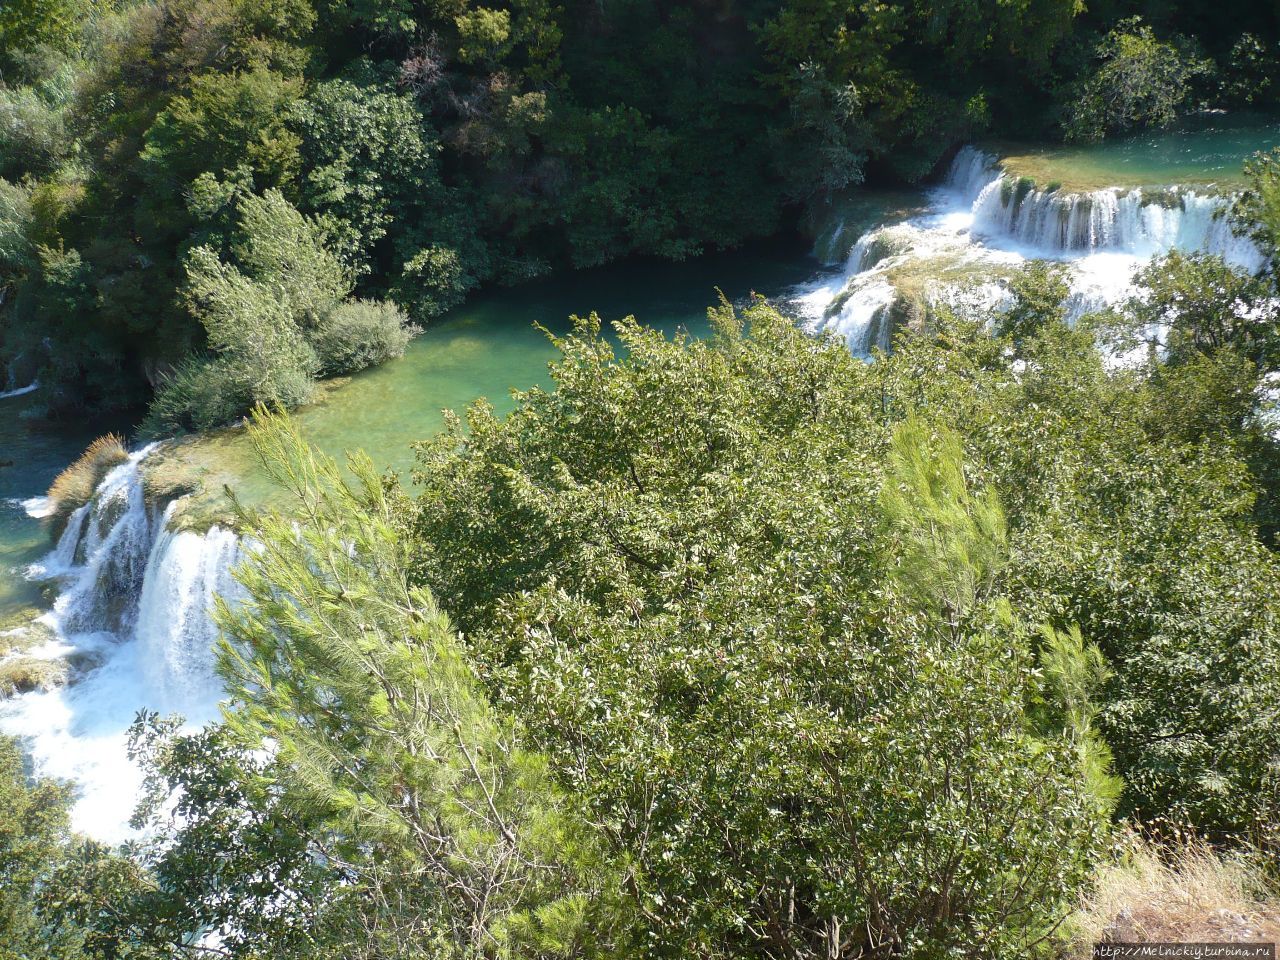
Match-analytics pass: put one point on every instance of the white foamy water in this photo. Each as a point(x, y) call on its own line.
point(20, 391)
point(134, 619)
point(980, 226)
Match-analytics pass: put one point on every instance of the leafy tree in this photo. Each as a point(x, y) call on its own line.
point(288, 255)
point(447, 831)
point(1141, 531)
point(1140, 81)
point(225, 121)
point(53, 885)
point(25, 24)
point(676, 568)
point(1187, 305)
point(1039, 292)
point(369, 159)
point(1256, 210)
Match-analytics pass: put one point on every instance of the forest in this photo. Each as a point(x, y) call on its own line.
point(740, 645)
point(162, 163)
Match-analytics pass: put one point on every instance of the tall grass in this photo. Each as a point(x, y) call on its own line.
point(1185, 891)
point(74, 486)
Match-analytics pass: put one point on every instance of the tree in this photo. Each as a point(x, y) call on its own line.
point(450, 831)
point(25, 24)
point(1189, 305)
point(1140, 528)
point(1039, 292)
point(261, 306)
point(676, 568)
point(227, 119)
point(53, 884)
point(1140, 81)
point(369, 160)
point(1256, 211)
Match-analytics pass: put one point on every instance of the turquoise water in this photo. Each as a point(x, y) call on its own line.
point(484, 349)
point(491, 346)
point(1209, 148)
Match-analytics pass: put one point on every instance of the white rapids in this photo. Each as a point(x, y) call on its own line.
point(981, 225)
point(134, 619)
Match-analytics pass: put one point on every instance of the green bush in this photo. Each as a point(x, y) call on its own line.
point(359, 334)
point(763, 635)
point(433, 280)
point(1140, 81)
point(202, 393)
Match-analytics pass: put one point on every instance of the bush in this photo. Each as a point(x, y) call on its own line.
point(359, 334)
point(431, 282)
point(762, 632)
point(75, 486)
point(1140, 82)
point(202, 393)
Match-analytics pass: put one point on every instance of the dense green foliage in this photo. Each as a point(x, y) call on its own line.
point(435, 147)
point(1139, 82)
point(740, 647)
point(708, 575)
point(731, 648)
point(762, 651)
point(274, 317)
point(55, 888)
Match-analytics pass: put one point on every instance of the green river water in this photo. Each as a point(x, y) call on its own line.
point(1206, 149)
point(486, 348)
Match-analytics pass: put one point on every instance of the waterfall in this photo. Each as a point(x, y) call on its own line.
point(134, 618)
point(103, 552)
point(970, 173)
point(982, 224)
point(1053, 223)
point(175, 631)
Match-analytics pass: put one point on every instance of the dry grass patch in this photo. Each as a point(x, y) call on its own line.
point(74, 486)
point(1188, 892)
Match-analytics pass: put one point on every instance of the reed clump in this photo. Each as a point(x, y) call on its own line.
point(1184, 891)
point(74, 486)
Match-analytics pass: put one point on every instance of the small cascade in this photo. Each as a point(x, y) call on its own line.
point(971, 171)
point(175, 631)
point(103, 553)
point(861, 314)
point(981, 225)
point(135, 619)
point(1056, 223)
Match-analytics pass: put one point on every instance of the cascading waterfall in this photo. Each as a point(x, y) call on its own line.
point(103, 554)
point(982, 223)
point(175, 631)
point(134, 620)
point(1111, 220)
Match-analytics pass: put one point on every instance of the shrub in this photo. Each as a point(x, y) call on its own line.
point(769, 653)
point(431, 282)
point(202, 393)
point(359, 334)
point(75, 486)
point(1140, 81)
